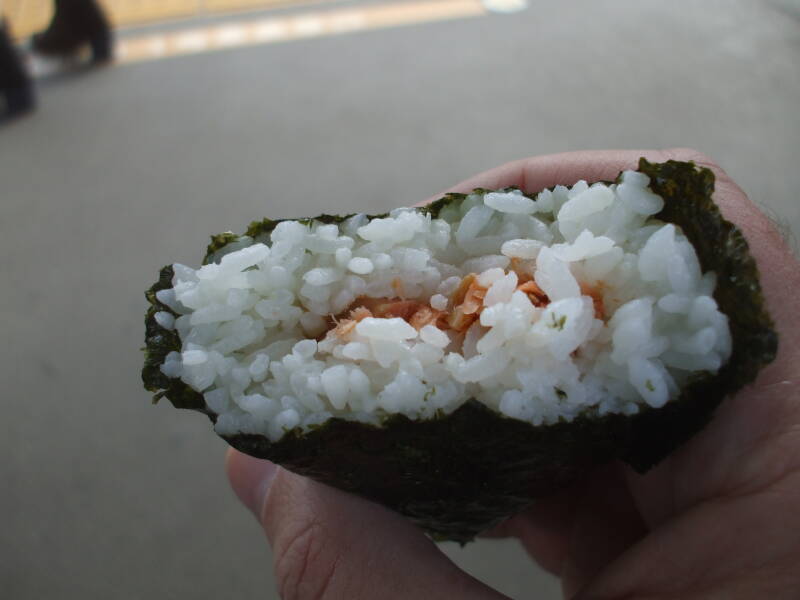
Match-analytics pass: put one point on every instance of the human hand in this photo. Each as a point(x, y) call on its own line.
point(718, 518)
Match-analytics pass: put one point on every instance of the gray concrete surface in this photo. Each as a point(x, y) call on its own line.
point(126, 169)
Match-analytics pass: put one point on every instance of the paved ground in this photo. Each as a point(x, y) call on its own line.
point(128, 168)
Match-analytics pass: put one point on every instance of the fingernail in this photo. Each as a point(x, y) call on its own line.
point(250, 478)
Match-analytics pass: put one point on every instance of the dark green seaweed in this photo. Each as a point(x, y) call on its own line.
point(456, 475)
point(721, 247)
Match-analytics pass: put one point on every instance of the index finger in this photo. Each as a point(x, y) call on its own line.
point(533, 174)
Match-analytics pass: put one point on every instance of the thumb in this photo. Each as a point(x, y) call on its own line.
point(330, 544)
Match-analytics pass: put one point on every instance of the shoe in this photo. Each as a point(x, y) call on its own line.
point(15, 83)
point(19, 101)
point(75, 24)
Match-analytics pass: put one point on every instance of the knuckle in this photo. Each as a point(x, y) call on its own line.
point(305, 563)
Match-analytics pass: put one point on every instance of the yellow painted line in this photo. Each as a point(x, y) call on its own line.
point(292, 27)
point(29, 16)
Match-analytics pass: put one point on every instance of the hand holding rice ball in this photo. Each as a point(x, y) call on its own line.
point(458, 361)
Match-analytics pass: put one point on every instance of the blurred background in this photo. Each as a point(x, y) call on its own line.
point(218, 112)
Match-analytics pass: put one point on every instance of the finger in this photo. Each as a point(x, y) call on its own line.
point(329, 544)
point(543, 530)
point(739, 546)
point(577, 531)
point(606, 522)
point(534, 174)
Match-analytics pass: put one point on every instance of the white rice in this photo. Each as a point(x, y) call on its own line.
point(250, 321)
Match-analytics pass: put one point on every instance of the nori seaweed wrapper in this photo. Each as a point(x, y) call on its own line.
point(456, 475)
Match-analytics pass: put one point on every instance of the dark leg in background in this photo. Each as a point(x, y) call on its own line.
point(15, 83)
point(75, 24)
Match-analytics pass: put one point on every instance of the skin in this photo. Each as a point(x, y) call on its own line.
point(717, 519)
